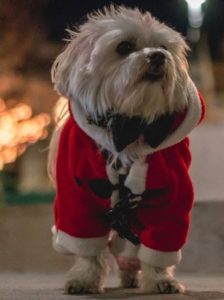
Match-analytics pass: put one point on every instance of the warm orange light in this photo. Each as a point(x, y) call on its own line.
point(20, 112)
point(18, 129)
point(9, 155)
point(2, 105)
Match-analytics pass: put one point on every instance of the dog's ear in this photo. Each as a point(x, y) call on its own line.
point(67, 61)
point(61, 68)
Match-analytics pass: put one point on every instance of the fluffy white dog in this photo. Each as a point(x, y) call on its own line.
point(123, 156)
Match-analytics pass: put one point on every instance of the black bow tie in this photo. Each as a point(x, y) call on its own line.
point(126, 130)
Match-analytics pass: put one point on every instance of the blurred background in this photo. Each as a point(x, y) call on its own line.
point(32, 34)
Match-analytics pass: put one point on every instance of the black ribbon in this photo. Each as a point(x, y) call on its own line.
point(103, 188)
point(119, 216)
point(122, 213)
point(126, 130)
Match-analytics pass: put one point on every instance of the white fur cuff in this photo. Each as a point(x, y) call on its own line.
point(157, 258)
point(67, 244)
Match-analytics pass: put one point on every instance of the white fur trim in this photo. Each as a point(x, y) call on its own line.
point(157, 258)
point(60, 249)
point(98, 134)
point(136, 178)
point(67, 244)
point(122, 247)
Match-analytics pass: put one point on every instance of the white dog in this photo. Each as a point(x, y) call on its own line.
point(123, 156)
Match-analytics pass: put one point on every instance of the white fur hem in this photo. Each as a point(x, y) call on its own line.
point(67, 244)
point(157, 258)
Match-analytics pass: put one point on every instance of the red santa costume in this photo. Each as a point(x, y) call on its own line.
point(161, 220)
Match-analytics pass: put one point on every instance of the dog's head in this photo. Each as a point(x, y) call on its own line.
point(125, 61)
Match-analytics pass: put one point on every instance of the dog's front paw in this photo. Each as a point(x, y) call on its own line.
point(86, 276)
point(129, 279)
point(75, 286)
point(170, 286)
point(156, 280)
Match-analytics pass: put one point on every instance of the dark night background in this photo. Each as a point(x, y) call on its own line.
point(60, 14)
point(172, 11)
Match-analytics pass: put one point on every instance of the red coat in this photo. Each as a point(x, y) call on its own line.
point(161, 221)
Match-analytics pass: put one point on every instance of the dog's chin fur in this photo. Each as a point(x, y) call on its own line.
point(96, 78)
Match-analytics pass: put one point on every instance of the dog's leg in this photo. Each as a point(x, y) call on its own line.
point(129, 279)
point(86, 276)
point(159, 280)
point(129, 270)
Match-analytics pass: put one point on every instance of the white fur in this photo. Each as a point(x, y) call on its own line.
point(136, 178)
point(87, 275)
point(159, 280)
point(129, 279)
point(95, 78)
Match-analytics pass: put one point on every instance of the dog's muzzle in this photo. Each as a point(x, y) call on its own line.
point(156, 66)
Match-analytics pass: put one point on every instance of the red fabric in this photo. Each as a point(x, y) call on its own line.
point(161, 222)
point(164, 219)
point(78, 211)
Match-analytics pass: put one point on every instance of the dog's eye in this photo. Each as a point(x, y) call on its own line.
point(163, 47)
point(125, 48)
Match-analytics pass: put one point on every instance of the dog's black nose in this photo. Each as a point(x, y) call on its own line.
point(157, 58)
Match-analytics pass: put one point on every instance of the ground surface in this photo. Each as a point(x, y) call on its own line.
point(31, 286)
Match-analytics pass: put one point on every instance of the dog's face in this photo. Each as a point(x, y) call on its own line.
point(124, 61)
